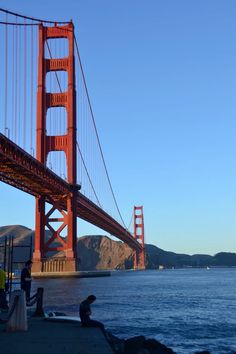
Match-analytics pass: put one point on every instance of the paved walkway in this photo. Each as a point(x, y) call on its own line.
point(44, 337)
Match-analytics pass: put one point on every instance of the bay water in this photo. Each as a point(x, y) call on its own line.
point(186, 309)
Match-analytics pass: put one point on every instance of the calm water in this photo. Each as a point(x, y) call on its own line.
point(187, 310)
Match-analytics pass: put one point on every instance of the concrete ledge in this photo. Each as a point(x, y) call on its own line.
point(45, 337)
point(82, 274)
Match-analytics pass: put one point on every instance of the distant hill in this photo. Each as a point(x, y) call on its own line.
point(100, 252)
point(22, 236)
point(21, 232)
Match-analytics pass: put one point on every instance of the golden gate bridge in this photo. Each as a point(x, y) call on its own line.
point(49, 143)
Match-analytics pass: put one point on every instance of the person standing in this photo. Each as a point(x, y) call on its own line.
point(3, 300)
point(85, 312)
point(25, 281)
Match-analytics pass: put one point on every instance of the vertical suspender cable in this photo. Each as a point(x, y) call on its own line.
point(16, 79)
point(6, 77)
point(25, 87)
point(19, 88)
point(13, 82)
point(31, 92)
point(19, 134)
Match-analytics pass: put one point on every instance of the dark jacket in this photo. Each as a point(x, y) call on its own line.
point(84, 312)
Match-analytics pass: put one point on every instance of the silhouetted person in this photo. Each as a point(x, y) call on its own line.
point(85, 312)
point(25, 281)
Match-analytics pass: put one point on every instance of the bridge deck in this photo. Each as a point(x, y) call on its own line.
point(20, 170)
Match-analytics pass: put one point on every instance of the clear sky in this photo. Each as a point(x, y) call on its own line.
point(162, 80)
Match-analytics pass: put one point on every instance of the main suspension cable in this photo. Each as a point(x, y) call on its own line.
point(32, 18)
point(96, 132)
point(86, 170)
point(131, 220)
point(82, 159)
point(18, 24)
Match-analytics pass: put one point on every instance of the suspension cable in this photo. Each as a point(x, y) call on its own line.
point(82, 159)
point(85, 85)
point(18, 24)
point(96, 132)
point(32, 18)
point(131, 220)
point(86, 170)
point(25, 88)
point(6, 78)
point(31, 91)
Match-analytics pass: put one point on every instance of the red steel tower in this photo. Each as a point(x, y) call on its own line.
point(139, 257)
point(49, 220)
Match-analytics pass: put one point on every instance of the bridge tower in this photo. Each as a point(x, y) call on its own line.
point(139, 257)
point(49, 220)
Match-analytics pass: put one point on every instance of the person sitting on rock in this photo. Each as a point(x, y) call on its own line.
point(85, 312)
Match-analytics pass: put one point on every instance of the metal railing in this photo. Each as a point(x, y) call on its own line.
point(10, 260)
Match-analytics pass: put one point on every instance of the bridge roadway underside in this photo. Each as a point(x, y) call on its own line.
point(22, 171)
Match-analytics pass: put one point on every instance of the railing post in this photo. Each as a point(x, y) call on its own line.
point(39, 306)
point(17, 313)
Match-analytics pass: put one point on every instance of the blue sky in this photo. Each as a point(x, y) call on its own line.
point(162, 80)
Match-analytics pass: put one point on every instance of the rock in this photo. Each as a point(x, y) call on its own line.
point(134, 345)
point(137, 345)
point(144, 351)
point(155, 347)
point(117, 344)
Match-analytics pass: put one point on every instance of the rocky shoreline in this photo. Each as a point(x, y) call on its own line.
point(140, 345)
point(133, 345)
